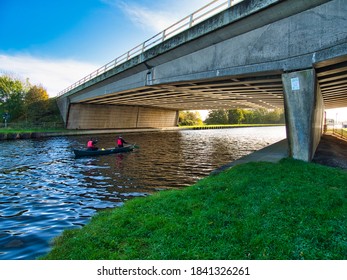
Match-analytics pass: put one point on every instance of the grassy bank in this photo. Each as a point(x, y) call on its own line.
point(288, 210)
point(226, 125)
point(31, 130)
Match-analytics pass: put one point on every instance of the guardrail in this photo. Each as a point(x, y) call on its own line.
point(198, 16)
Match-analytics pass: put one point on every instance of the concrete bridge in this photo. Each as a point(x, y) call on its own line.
point(254, 54)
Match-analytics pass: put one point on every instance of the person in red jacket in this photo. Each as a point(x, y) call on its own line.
point(91, 145)
point(120, 142)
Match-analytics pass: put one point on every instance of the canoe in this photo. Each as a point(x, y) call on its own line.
point(100, 152)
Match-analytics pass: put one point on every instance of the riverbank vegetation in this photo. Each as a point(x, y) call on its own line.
point(32, 130)
point(189, 118)
point(243, 116)
point(284, 211)
point(232, 117)
point(26, 106)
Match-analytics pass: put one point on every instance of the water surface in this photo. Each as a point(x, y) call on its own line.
point(45, 190)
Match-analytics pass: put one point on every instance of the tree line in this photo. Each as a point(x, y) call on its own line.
point(21, 101)
point(234, 116)
point(246, 116)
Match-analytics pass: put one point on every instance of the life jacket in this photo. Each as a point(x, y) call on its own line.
point(90, 144)
point(119, 142)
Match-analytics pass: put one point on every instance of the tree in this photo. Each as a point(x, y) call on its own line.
point(12, 93)
point(23, 101)
point(36, 102)
point(217, 117)
point(249, 116)
point(257, 116)
point(189, 118)
point(275, 116)
point(236, 116)
point(52, 113)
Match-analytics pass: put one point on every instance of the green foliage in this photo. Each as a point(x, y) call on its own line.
point(36, 102)
point(217, 117)
point(51, 113)
point(189, 118)
point(284, 211)
point(12, 92)
point(243, 116)
point(36, 94)
point(264, 116)
point(236, 116)
point(26, 102)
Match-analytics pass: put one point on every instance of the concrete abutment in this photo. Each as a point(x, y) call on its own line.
point(89, 116)
point(304, 111)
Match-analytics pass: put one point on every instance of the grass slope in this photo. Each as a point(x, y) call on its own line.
point(288, 210)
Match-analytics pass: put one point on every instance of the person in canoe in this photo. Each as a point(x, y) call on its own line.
point(120, 142)
point(91, 145)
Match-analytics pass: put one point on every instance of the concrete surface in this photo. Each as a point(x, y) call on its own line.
point(272, 153)
point(331, 151)
point(304, 113)
point(90, 116)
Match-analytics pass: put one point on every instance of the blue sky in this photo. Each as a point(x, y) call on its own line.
point(55, 43)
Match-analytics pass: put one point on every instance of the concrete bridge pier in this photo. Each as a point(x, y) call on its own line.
point(304, 110)
point(91, 116)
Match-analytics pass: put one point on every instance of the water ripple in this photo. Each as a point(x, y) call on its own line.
point(45, 190)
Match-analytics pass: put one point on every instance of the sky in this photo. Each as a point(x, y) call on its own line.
point(56, 43)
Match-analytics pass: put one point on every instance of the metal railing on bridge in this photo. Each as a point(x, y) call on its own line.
point(198, 16)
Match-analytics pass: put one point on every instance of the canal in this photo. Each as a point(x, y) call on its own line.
point(45, 190)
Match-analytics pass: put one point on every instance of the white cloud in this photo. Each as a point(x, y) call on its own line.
point(145, 18)
point(54, 75)
point(163, 16)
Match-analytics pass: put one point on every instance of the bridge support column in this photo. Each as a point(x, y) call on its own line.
point(304, 110)
point(89, 116)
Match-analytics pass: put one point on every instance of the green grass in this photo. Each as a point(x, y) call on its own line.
point(228, 125)
point(289, 210)
point(30, 130)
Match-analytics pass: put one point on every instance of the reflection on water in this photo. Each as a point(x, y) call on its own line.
point(44, 189)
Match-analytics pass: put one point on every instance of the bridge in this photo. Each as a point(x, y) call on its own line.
point(248, 54)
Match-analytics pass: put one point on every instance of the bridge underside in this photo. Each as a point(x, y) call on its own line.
point(289, 54)
point(234, 92)
point(158, 105)
point(261, 90)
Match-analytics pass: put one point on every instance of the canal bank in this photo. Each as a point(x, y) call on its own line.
point(290, 210)
point(12, 135)
point(272, 153)
point(331, 151)
point(266, 199)
point(267, 206)
point(58, 191)
point(35, 135)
